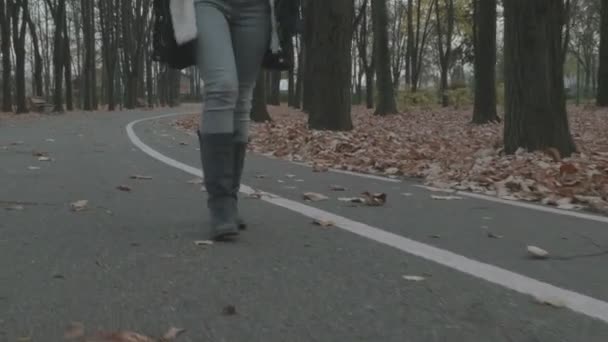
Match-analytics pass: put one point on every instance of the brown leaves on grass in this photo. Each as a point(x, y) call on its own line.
point(442, 148)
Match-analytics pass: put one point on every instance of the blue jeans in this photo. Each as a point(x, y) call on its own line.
point(233, 37)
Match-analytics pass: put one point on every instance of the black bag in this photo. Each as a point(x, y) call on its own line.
point(288, 22)
point(165, 47)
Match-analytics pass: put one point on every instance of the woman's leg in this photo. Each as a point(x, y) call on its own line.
point(216, 134)
point(250, 35)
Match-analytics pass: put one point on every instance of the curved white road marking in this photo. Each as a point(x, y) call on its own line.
point(577, 302)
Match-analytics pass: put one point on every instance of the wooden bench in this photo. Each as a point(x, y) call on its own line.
point(40, 105)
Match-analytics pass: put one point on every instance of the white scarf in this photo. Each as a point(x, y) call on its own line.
point(184, 23)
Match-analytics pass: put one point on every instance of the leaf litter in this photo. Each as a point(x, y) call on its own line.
point(441, 147)
point(76, 331)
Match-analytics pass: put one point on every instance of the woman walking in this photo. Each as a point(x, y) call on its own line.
point(234, 38)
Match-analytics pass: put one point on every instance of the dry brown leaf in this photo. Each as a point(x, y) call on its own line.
point(44, 159)
point(140, 177)
point(550, 301)
point(352, 199)
point(324, 223)
point(229, 310)
point(33, 168)
point(172, 334)
point(74, 330)
point(79, 205)
point(494, 236)
point(537, 252)
point(337, 188)
point(123, 336)
point(446, 198)
point(40, 154)
point(374, 200)
point(124, 188)
point(414, 278)
point(203, 243)
point(15, 208)
point(314, 197)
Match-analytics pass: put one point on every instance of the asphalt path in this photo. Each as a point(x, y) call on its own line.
point(130, 261)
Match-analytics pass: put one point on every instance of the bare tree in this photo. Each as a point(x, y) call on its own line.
point(58, 12)
point(444, 21)
point(602, 75)
point(386, 91)
point(5, 48)
point(484, 41)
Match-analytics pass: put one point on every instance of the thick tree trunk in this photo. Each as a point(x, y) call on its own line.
point(274, 97)
point(299, 80)
point(330, 65)
point(535, 105)
point(291, 82)
point(484, 40)
point(369, 88)
point(259, 111)
point(58, 10)
point(444, 40)
point(410, 43)
point(386, 91)
point(38, 84)
point(5, 45)
point(19, 30)
point(602, 75)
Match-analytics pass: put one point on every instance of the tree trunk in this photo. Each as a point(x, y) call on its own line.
point(330, 65)
point(259, 111)
point(535, 105)
point(386, 91)
point(19, 30)
point(602, 75)
point(69, 95)
point(5, 28)
point(445, 47)
point(58, 11)
point(484, 40)
point(38, 85)
point(291, 82)
point(85, 91)
point(274, 97)
point(299, 80)
point(410, 43)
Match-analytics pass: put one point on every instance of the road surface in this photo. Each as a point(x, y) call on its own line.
point(129, 261)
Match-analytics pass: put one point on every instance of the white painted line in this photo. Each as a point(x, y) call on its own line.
point(575, 301)
point(525, 205)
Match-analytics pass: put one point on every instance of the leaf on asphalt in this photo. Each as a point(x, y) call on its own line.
point(314, 197)
point(74, 330)
point(33, 168)
point(299, 180)
point(324, 223)
point(79, 205)
point(414, 278)
point(290, 176)
point(537, 252)
point(196, 181)
point(352, 199)
point(229, 310)
point(17, 143)
point(15, 208)
point(50, 140)
point(374, 200)
point(494, 236)
point(261, 176)
point(123, 336)
point(44, 159)
point(183, 143)
point(24, 339)
point(40, 154)
point(436, 236)
point(319, 168)
point(407, 194)
point(550, 301)
point(172, 334)
point(255, 195)
point(124, 188)
point(203, 243)
point(140, 177)
point(446, 198)
point(337, 188)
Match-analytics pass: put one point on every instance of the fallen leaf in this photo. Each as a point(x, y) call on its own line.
point(203, 243)
point(261, 176)
point(352, 199)
point(33, 168)
point(74, 330)
point(407, 194)
point(374, 200)
point(319, 168)
point(172, 334)
point(123, 188)
point(314, 197)
point(494, 236)
point(568, 169)
point(414, 278)
point(123, 336)
point(45, 159)
point(290, 176)
point(324, 223)
point(79, 205)
point(229, 310)
point(196, 181)
point(537, 252)
point(50, 140)
point(337, 188)
point(299, 180)
point(183, 143)
point(255, 195)
point(140, 177)
point(436, 236)
point(15, 208)
point(17, 143)
point(24, 339)
point(446, 198)
point(550, 301)
point(40, 154)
